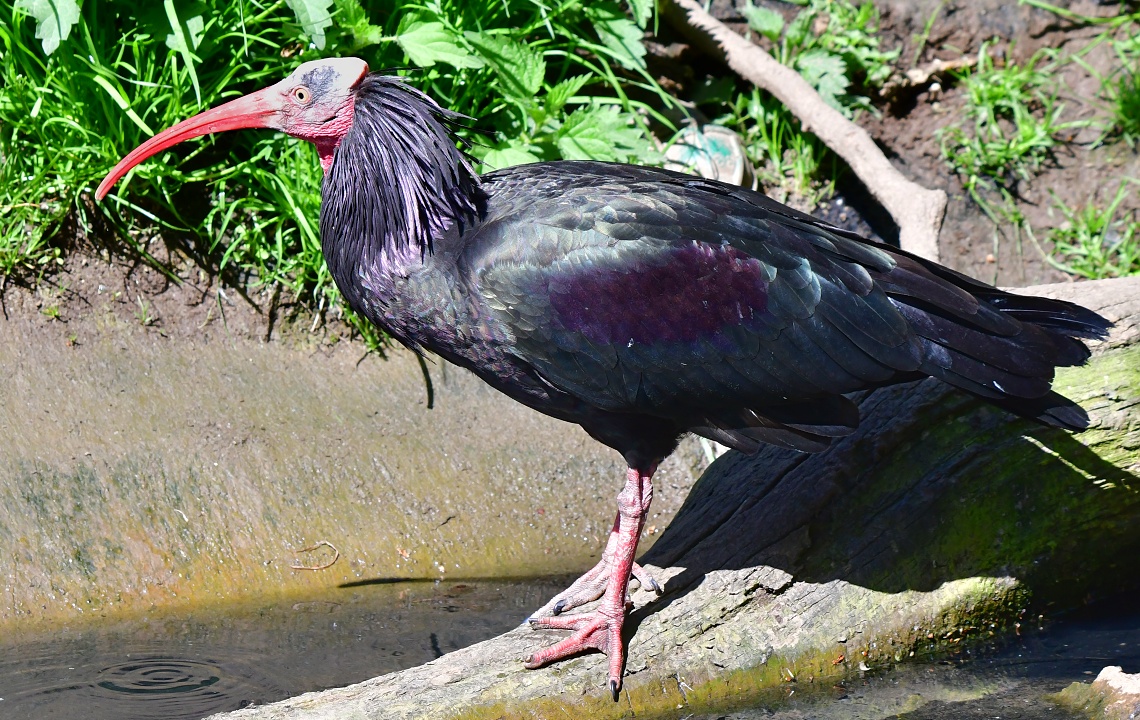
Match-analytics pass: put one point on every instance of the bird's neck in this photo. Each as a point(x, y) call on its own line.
point(397, 182)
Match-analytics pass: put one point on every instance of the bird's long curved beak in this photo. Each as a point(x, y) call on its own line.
point(257, 110)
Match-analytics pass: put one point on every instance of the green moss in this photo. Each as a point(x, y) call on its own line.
point(1082, 698)
point(995, 496)
point(966, 614)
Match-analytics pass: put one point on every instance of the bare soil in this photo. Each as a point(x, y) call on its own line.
point(1079, 172)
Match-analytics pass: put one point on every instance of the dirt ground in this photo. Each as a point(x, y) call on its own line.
point(101, 285)
point(1078, 172)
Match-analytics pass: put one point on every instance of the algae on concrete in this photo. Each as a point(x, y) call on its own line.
point(140, 472)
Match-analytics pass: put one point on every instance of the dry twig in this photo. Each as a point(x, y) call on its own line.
point(313, 547)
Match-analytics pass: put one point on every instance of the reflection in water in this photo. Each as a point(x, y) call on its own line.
point(186, 666)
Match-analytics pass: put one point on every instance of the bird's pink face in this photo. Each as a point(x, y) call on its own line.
point(315, 103)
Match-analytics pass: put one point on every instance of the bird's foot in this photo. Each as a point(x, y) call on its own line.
point(598, 630)
point(601, 628)
point(592, 584)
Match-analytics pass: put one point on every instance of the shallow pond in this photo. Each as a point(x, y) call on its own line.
point(188, 665)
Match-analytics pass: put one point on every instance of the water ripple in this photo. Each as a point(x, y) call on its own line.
point(159, 687)
point(161, 676)
point(186, 665)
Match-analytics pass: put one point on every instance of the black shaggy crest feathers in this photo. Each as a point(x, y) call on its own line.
point(398, 178)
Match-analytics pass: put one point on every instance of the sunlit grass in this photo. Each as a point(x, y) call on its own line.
point(251, 199)
point(1095, 243)
point(1011, 126)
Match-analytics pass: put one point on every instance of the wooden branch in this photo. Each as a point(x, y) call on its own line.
point(937, 524)
point(918, 211)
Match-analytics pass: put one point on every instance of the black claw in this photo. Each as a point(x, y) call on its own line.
point(656, 587)
point(615, 689)
point(559, 607)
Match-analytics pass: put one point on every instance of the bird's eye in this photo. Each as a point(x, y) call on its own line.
point(302, 95)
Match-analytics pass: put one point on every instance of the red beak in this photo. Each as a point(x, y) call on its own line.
point(256, 110)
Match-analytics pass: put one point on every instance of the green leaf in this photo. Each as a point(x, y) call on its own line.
point(642, 10)
point(561, 93)
point(54, 20)
point(193, 29)
point(799, 31)
point(601, 133)
point(504, 157)
point(191, 19)
point(427, 42)
point(352, 17)
point(121, 101)
point(764, 20)
point(181, 45)
point(617, 32)
point(314, 17)
point(827, 73)
point(519, 68)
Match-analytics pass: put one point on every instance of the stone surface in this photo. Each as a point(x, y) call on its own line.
point(1114, 695)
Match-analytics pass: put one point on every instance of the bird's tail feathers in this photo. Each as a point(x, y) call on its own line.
point(997, 345)
point(1058, 316)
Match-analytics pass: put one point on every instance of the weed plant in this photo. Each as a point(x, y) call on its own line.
point(1094, 243)
point(1121, 88)
point(1012, 122)
point(80, 87)
point(835, 47)
point(833, 44)
point(793, 165)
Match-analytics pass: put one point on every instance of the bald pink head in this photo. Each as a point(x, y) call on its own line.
point(315, 103)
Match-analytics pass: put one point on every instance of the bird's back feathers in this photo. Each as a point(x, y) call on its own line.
point(642, 303)
point(642, 291)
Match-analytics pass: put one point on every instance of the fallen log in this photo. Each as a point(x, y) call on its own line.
point(940, 523)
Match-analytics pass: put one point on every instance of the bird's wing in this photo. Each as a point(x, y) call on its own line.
point(681, 298)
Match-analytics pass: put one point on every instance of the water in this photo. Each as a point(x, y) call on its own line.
point(191, 664)
point(1010, 683)
point(188, 665)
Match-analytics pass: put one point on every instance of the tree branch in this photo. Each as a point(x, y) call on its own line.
point(918, 211)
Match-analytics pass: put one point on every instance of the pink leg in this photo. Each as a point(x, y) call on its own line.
point(592, 584)
point(601, 629)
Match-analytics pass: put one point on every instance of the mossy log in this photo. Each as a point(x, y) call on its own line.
point(940, 523)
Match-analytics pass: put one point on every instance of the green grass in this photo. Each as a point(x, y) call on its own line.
point(1122, 88)
point(790, 163)
point(1011, 126)
point(542, 82)
point(66, 118)
point(1094, 243)
point(1125, 94)
point(835, 46)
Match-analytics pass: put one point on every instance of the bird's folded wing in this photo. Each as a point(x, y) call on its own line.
point(659, 298)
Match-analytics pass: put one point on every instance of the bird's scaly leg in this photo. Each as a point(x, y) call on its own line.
point(601, 628)
point(592, 584)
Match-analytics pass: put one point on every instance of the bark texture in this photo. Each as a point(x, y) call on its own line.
point(917, 211)
point(939, 522)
